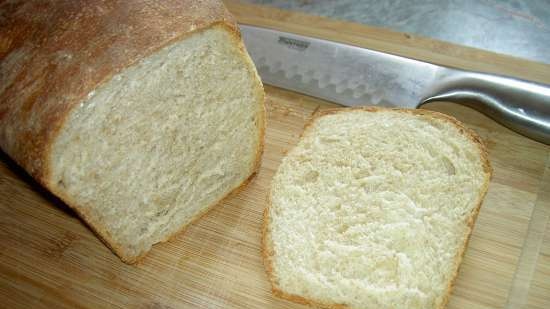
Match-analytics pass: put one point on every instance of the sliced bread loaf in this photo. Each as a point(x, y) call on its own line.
point(140, 115)
point(373, 209)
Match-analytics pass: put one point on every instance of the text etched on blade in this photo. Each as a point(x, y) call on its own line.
point(293, 43)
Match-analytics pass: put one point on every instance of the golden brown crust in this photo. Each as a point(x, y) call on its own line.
point(51, 60)
point(90, 41)
point(267, 248)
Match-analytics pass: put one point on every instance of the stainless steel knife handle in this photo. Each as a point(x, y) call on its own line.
point(519, 105)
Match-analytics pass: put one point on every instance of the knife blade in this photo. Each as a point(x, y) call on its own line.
point(352, 76)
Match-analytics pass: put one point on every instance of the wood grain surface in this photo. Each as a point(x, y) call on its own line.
point(50, 259)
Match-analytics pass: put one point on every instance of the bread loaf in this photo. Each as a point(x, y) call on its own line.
point(373, 209)
point(140, 115)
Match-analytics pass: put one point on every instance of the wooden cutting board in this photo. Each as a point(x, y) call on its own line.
point(50, 259)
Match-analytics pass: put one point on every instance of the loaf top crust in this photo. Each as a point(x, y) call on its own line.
point(55, 53)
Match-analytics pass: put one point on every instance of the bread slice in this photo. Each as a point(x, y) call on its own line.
point(139, 115)
point(373, 209)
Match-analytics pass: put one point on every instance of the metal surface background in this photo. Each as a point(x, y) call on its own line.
point(519, 28)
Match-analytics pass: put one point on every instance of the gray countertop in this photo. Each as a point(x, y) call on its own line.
point(519, 28)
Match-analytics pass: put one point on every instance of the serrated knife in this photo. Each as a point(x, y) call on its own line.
point(352, 76)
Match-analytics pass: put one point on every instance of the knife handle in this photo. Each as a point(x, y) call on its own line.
point(520, 105)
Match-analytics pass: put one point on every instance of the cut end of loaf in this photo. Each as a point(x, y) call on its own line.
point(161, 142)
point(373, 209)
